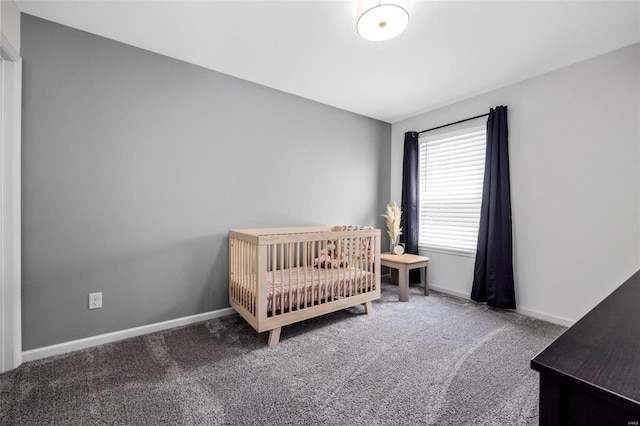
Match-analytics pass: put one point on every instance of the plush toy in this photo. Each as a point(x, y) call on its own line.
point(329, 258)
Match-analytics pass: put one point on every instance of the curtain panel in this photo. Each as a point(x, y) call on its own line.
point(493, 273)
point(409, 204)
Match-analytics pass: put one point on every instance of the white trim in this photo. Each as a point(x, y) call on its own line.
point(547, 317)
point(87, 342)
point(10, 210)
point(8, 51)
point(17, 212)
point(449, 291)
point(524, 311)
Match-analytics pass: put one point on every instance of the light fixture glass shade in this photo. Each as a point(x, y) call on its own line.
point(380, 20)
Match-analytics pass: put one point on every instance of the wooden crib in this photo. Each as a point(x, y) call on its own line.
point(284, 275)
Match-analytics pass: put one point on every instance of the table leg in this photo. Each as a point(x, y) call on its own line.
point(403, 283)
point(425, 280)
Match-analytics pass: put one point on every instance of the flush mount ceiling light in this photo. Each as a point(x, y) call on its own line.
point(380, 20)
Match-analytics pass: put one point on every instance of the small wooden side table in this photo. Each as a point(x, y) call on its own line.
point(404, 263)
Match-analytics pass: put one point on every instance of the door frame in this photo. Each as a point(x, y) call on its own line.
point(10, 201)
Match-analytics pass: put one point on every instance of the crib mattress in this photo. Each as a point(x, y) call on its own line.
point(319, 283)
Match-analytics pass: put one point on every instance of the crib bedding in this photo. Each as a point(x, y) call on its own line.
point(320, 284)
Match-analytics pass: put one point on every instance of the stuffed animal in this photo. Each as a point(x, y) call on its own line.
point(329, 258)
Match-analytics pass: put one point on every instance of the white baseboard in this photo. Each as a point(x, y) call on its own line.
point(87, 342)
point(449, 291)
point(547, 317)
point(522, 310)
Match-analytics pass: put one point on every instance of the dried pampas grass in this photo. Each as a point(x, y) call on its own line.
point(393, 216)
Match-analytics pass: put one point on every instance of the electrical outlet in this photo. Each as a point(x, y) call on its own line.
point(95, 300)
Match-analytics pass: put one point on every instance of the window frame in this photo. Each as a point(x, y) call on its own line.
point(459, 130)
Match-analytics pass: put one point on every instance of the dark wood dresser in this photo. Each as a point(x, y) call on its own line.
point(591, 374)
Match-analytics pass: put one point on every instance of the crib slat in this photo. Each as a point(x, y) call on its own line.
point(349, 242)
point(371, 271)
point(257, 276)
point(329, 283)
point(330, 273)
point(261, 283)
point(275, 282)
point(290, 258)
point(354, 272)
point(373, 263)
point(354, 254)
point(242, 274)
point(249, 277)
point(367, 266)
point(367, 269)
point(281, 279)
point(245, 286)
point(376, 263)
point(239, 272)
point(330, 289)
point(302, 298)
point(320, 271)
point(246, 276)
point(298, 295)
point(250, 293)
point(359, 272)
point(362, 267)
point(231, 271)
point(345, 271)
point(313, 270)
point(268, 268)
point(340, 271)
point(274, 266)
point(371, 266)
point(237, 268)
point(326, 276)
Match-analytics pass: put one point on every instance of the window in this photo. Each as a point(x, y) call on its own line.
point(451, 179)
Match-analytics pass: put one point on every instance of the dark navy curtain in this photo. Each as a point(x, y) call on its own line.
point(409, 205)
point(493, 274)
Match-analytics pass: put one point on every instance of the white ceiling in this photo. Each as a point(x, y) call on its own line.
point(451, 50)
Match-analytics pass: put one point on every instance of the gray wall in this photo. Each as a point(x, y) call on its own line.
point(574, 138)
point(136, 165)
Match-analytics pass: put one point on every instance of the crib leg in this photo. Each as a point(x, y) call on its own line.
point(367, 307)
point(274, 337)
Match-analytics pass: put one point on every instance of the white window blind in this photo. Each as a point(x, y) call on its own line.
point(451, 179)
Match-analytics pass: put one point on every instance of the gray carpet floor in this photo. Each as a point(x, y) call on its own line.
point(435, 360)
